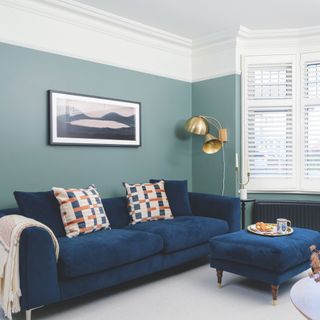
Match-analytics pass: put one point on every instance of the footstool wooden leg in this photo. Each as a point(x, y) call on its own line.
point(219, 276)
point(275, 290)
point(28, 315)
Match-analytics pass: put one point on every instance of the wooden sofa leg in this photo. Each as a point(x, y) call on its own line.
point(28, 314)
point(219, 277)
point(275, 290)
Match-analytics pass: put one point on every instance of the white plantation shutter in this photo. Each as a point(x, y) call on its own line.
point(312, 80)
point(311, 123)
point(281, 133)
point(270, 141)
point(273, 81)
point(269, 132)
point(312, 141)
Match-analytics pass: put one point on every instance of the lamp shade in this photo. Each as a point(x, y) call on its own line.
point(211, 144)
point(197, 125)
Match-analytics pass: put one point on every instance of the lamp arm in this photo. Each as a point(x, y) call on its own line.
point(215, 122)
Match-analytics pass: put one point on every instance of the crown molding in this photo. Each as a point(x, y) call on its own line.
point(73, 29)
point(120, 22)
point(74, 12)
point(293, 40)
point(68, 28)
point(295, 33)
point(220, 38)
point(220, 53)
point(247, 36)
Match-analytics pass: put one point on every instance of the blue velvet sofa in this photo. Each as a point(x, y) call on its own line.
point(106, 258)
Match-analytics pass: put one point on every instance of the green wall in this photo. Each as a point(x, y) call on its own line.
point(28, 163)
point(220, 98)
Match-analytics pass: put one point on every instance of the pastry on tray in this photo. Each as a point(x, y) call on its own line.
point(264, 227)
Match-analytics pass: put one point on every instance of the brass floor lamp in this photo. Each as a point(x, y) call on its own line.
point(200, 125)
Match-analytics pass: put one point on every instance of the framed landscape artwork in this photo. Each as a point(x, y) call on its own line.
point(77, 119)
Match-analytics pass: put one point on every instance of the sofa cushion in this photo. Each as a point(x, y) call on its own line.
point(105, 249)
point(117, 211)
point(81, 210)
point(183, 232)
point(276, 254)
point(43, 207)
point(147, 202)
point(178, 197)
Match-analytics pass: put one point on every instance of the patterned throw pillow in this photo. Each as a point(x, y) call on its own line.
point(81, 210)
point(147, 202)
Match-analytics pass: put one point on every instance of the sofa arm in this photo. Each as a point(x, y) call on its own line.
point(38, 269)
point(221, 207)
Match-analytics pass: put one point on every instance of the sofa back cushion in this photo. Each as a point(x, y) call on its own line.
point(117, 211)
point(178, 197)
point(43, 207)
point(7, 212)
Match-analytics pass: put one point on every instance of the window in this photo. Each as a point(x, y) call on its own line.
point(269, 121)
point(281, 122)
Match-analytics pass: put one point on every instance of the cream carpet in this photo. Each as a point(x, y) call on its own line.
point(185, 293)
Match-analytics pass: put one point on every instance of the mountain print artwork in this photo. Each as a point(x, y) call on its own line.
point(77, 119)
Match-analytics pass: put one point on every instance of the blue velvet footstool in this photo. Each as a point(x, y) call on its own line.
point(272, 260)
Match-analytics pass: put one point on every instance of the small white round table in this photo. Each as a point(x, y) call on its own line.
point(305, 295)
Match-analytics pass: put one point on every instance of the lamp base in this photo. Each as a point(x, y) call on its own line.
point(243, 194)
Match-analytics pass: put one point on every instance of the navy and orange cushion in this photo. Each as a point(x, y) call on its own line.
point(147, 202)
point(183, 232)
point(43, 207)
point(81, 210)
point(178, 197)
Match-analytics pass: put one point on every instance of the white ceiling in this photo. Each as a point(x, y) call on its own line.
point(198, 18)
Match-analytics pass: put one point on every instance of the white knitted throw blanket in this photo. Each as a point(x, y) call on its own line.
point(11, 227)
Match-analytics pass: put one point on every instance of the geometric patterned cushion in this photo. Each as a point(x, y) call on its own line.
point(81, 210)
point(147, 202)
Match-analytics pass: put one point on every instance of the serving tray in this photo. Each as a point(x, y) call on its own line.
point(273, 233)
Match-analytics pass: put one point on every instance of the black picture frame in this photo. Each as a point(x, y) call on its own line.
point(78, 119)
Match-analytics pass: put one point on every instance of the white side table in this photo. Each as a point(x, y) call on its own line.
point(305, 295)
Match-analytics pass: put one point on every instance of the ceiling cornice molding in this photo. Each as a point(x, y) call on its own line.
point(262, 34)
point(69, 28)
point(247, 36)
point(297, 39)
point(74, 12)
point(95, 15)
point(96, 35)
point(120, 22)
point(216, 39)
